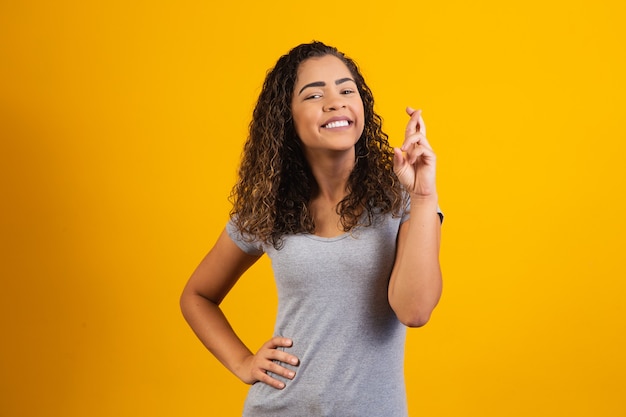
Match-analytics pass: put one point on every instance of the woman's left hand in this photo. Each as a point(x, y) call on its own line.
point(414, 162)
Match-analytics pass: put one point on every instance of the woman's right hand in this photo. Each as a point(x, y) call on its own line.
point(255, 368)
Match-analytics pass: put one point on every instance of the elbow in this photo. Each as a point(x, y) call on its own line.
point(413, 313)
point(414, 308)
point(186, 303)
point(183, 303)
point(415, 319)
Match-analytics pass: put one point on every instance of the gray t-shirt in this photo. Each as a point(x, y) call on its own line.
point(332, 302)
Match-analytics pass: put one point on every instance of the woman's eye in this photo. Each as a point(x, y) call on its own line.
point(349, 91)
point(313, 96)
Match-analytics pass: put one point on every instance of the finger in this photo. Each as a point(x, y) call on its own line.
point(414, 127)
point(422, 125)
point(277, 369)
point(280, 355)
point(272, 382)
point(413, 141)
point(398, 160)
point(419, 149)
point(288, 358)
point(414, 154)
point(421, 153)
point(270, 367)
point(278, 341)
point(419, 139)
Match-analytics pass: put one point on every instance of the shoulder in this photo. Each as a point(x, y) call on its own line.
point(245, 242)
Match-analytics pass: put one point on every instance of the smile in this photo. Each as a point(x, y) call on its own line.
point(336, 124)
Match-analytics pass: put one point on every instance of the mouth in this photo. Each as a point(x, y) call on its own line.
point(337, 123)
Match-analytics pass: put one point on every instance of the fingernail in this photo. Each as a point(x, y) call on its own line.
point(291, 374)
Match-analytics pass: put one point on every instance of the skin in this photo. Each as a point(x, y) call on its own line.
point(324, 91)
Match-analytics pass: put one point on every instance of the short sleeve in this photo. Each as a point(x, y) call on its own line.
point(250, 247)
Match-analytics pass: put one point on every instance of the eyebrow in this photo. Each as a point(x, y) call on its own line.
point(323, 84)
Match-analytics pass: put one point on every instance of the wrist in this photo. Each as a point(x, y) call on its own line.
point(419, 199)
point(241, 369)
point(426, 205)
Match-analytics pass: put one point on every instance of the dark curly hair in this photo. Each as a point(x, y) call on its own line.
point(275, 185)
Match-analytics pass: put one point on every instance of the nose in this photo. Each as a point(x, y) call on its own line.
point(334, 102)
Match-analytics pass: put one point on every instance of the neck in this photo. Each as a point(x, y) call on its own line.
point(331, 173)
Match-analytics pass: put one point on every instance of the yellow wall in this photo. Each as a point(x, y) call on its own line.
point(121, 124)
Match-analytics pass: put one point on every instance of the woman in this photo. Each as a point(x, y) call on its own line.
point(322, 193)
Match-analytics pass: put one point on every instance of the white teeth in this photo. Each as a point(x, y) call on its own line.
point(339, 123)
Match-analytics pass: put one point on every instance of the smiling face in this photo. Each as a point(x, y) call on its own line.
point(326, 106)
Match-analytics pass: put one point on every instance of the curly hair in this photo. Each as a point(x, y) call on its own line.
point(275, 184)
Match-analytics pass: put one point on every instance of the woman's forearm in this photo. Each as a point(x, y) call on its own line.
point(415, 285)
point(213, 329)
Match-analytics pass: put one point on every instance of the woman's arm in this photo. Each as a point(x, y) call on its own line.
point(208, 285)
point(415, 283)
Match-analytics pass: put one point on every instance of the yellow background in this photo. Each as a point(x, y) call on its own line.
point(121, 127)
